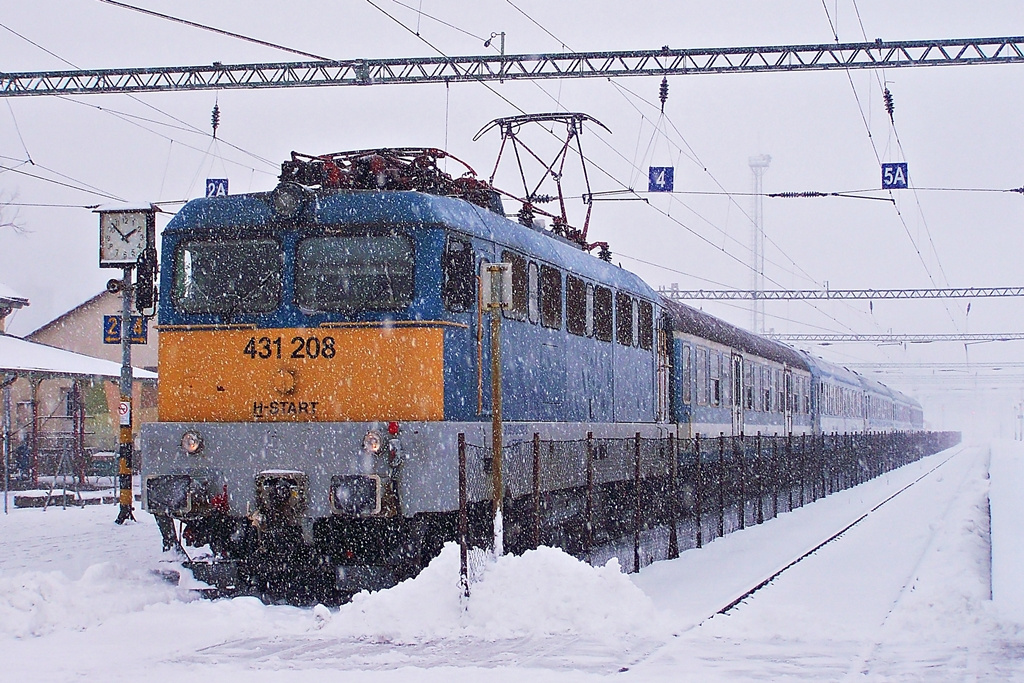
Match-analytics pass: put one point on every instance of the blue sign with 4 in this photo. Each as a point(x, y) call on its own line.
point(112, 329)
point(894, 176)
point(660, 179)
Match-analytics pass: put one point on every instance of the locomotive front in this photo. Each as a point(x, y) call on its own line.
point(302, 353)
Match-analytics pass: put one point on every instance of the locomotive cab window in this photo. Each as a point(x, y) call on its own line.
point(458, 286)
point(550, 297)
point(237, 276)
point(575, 306)
point(354, 273)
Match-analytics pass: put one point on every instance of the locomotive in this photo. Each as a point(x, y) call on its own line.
point(323, 348)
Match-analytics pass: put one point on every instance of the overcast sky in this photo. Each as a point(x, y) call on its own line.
point(959, 128)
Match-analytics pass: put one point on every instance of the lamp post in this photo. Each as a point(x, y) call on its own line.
point(487, 43)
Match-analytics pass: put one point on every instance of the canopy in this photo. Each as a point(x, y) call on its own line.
point(22, 357)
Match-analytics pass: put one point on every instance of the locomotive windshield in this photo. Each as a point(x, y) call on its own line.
point(239, 276)
point(350, 273)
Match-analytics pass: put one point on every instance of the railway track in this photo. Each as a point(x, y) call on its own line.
point(767, 581)
point(744, 595)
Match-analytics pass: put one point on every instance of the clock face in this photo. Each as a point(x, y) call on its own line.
point(122, 237)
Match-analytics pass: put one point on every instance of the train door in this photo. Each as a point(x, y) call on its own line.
point(790, 400)
point(663, 358)
point(737, 394)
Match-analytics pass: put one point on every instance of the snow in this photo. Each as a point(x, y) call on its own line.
point(1007, 505)
point(21, 355)
point(542, 592)
point(9, 294)
point(904, 594)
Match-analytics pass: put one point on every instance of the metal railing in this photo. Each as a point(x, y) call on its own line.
point(640, 499)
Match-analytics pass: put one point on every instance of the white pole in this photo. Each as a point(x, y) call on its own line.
point(758, 165)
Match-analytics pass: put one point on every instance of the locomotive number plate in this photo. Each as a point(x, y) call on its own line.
point(297, 347)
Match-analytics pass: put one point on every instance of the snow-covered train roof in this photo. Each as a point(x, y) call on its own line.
point(408, 208)
point(698, 323)
point(837, 373)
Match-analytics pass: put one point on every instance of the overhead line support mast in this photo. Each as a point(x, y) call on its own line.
point(664, 62)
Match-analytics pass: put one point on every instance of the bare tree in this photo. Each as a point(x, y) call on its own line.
point(9, 214)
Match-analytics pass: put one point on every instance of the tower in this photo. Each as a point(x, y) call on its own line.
point(758, 165)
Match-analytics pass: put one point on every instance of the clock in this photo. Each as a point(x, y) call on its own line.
point(124, 236)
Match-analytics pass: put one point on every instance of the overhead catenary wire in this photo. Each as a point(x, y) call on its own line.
point(597, 166)
point(98, 193)
point(668, 214)
point(878, 159)
point(125, 116)
point(212, 29)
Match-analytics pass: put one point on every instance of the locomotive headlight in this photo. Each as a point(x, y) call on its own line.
point(356, 495)
point(287, 200)
point(192, 442)
point(373, 442)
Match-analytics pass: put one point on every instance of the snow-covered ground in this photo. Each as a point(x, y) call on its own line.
point(907, 593)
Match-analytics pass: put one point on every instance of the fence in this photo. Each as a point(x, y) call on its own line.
point(641, 499)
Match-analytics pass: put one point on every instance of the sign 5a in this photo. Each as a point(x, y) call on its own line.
point(894, 176)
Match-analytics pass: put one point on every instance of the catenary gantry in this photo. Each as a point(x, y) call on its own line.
point(818, 294)
point(443, 69)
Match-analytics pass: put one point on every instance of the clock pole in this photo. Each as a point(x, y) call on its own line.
point(124, 412)
point(128, 239)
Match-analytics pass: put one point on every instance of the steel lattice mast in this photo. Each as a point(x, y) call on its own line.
point(664, 62)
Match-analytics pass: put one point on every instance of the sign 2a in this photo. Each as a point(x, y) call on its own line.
point(216, 187)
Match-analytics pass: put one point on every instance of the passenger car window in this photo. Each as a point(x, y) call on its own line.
point(687, 373)
point(702, 376)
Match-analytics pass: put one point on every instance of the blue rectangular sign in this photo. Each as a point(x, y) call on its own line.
point(660, 179)
point(112, 329)
point(894, 176)
point(216, 187)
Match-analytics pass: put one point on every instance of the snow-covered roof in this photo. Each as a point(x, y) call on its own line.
point(21, 356)
point(10, 296)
